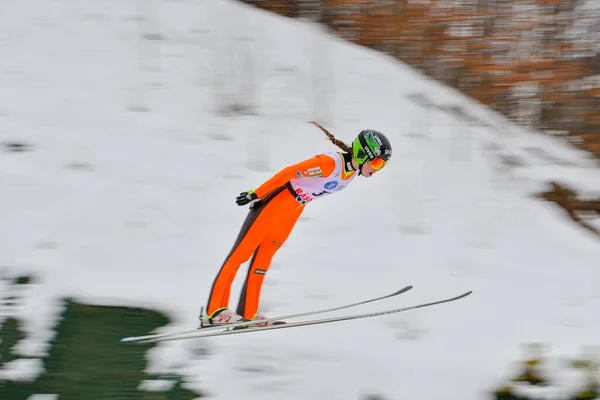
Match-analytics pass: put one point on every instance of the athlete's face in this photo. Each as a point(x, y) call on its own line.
point(367, 170)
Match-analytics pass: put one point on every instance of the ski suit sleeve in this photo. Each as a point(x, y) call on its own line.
point(319, 165)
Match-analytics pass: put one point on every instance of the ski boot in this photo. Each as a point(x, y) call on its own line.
point(221, 317)
point(260, 317)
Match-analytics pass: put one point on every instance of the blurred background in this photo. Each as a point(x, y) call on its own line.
point(128, 127)
point(536, 62)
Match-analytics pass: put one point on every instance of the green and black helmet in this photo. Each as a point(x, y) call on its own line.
point(373, 147)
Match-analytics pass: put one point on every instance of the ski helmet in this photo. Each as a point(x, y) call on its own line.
point(370, 145)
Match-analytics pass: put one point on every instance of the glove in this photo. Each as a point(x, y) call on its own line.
point(246, 197)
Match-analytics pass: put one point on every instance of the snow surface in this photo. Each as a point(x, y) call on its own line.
point(127, 198)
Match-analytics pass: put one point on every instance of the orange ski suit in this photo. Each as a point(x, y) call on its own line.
point(270, 221)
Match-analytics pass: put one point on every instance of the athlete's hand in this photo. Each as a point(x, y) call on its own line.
point(246, 197)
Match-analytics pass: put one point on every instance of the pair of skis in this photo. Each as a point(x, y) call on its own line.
point(276, 323)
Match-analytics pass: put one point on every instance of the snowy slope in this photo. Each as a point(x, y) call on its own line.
point(127, 198)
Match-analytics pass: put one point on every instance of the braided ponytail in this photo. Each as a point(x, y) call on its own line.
point(334, 140)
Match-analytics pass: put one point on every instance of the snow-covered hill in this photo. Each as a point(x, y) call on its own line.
point(145, 119)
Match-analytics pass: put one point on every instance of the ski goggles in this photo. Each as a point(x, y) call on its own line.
point(377, 163)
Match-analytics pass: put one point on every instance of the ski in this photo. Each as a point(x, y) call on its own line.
point(230, 331)
point(245, 324)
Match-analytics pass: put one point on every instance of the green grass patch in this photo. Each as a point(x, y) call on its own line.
point(86, 359)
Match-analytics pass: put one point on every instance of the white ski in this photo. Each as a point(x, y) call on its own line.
point(231, 331)
point(245, 324)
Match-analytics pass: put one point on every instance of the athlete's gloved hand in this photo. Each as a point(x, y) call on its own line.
point(246, 197)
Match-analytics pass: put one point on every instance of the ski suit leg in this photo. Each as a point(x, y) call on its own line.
point(263, 218)
point(261, 261)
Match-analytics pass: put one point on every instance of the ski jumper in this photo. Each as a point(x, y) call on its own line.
point(269, 222)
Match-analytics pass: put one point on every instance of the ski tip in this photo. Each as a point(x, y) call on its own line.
point(404, 289)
